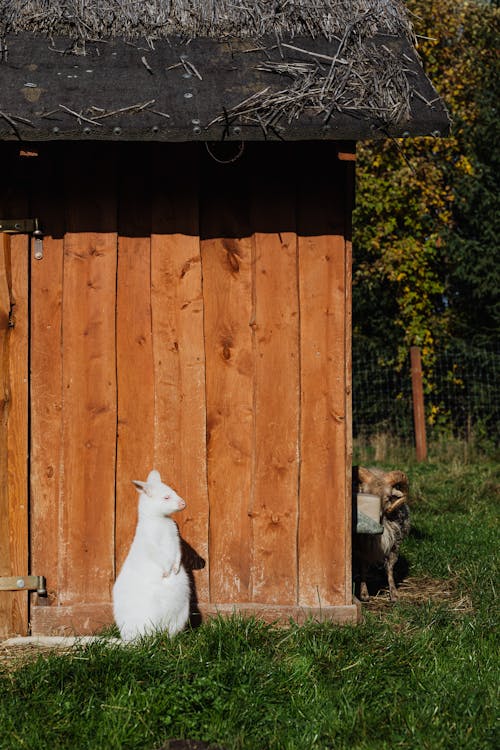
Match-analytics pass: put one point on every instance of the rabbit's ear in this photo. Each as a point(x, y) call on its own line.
point(141, 487)
point(154, 476)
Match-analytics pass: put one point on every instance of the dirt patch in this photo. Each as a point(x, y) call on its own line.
point(13, 657)
point(418, 591)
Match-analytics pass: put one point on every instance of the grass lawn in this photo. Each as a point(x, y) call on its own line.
point(422, 673)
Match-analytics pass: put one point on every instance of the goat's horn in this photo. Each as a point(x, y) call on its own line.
point(395, 505)
point(365, 475)
point(396, 476)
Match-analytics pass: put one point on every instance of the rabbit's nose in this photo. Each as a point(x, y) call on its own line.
point(182, 503)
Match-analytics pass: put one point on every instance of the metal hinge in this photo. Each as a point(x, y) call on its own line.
point(24, 583)
point(28, 226)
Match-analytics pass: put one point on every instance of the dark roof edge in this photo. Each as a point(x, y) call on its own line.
point(208, 90)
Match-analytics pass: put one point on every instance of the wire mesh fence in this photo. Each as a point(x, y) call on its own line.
point(461, 394)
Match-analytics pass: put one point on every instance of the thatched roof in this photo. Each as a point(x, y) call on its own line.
point(206, 69)
point(203, 18)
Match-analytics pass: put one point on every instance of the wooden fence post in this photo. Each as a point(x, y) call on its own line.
point(418, 403)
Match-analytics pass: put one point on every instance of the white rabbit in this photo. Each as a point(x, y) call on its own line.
point(152, 591)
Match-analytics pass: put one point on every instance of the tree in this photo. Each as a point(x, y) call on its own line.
point(426, 222)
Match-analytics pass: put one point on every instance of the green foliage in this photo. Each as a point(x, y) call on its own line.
point(423, 675)
point(426, 222)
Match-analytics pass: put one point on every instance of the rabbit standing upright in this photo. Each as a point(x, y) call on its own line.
point(152, 590)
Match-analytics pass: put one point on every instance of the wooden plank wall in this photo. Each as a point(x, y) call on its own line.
point(191, 316)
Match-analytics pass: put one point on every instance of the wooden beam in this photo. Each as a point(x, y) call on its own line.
point(346, 150)
point(110, 95)
point(417, 389)
point(90, 618)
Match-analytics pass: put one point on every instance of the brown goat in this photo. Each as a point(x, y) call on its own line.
point(392, 487)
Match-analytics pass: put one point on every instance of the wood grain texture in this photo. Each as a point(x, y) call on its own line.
point(83, 618)
point(217, 353)
point(14, 286)
point(349, 186)
point(417, 390)
point(135, 365)
point(273, 571)
point(46, 383)
point(322, 279)
point(17, 428)
point(274, 613)
point(5, 302)
point(86, 619)
point(7, 600)
point(227, 259)
point(89, 381)
point(178, 343)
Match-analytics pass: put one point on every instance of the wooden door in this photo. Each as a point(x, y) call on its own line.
point(14, 262)
point(193, 317)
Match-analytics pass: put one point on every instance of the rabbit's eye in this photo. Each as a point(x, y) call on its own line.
point(166, 497)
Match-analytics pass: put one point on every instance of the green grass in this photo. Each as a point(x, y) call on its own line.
point(420, 675)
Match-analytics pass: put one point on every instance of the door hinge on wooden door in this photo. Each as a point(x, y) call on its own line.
point(24, 583)
point(25, 226)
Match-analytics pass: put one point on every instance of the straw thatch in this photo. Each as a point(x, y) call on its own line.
point(83, 19)
point(313, 64)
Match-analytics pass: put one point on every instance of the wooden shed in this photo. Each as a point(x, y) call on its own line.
point(175, 208)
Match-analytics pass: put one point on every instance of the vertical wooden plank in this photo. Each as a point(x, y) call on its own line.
point(14, 429)
point(350, 175)
point(89, 377)
point(322, 278)
point(135, 365)
point(17, 445)
point(13, 395)
point(5, 302)
point(227, 255)
point(178, 342)
point(276, 351)
point(46, 383)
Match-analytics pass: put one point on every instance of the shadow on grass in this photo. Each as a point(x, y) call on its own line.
point(376, 580)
